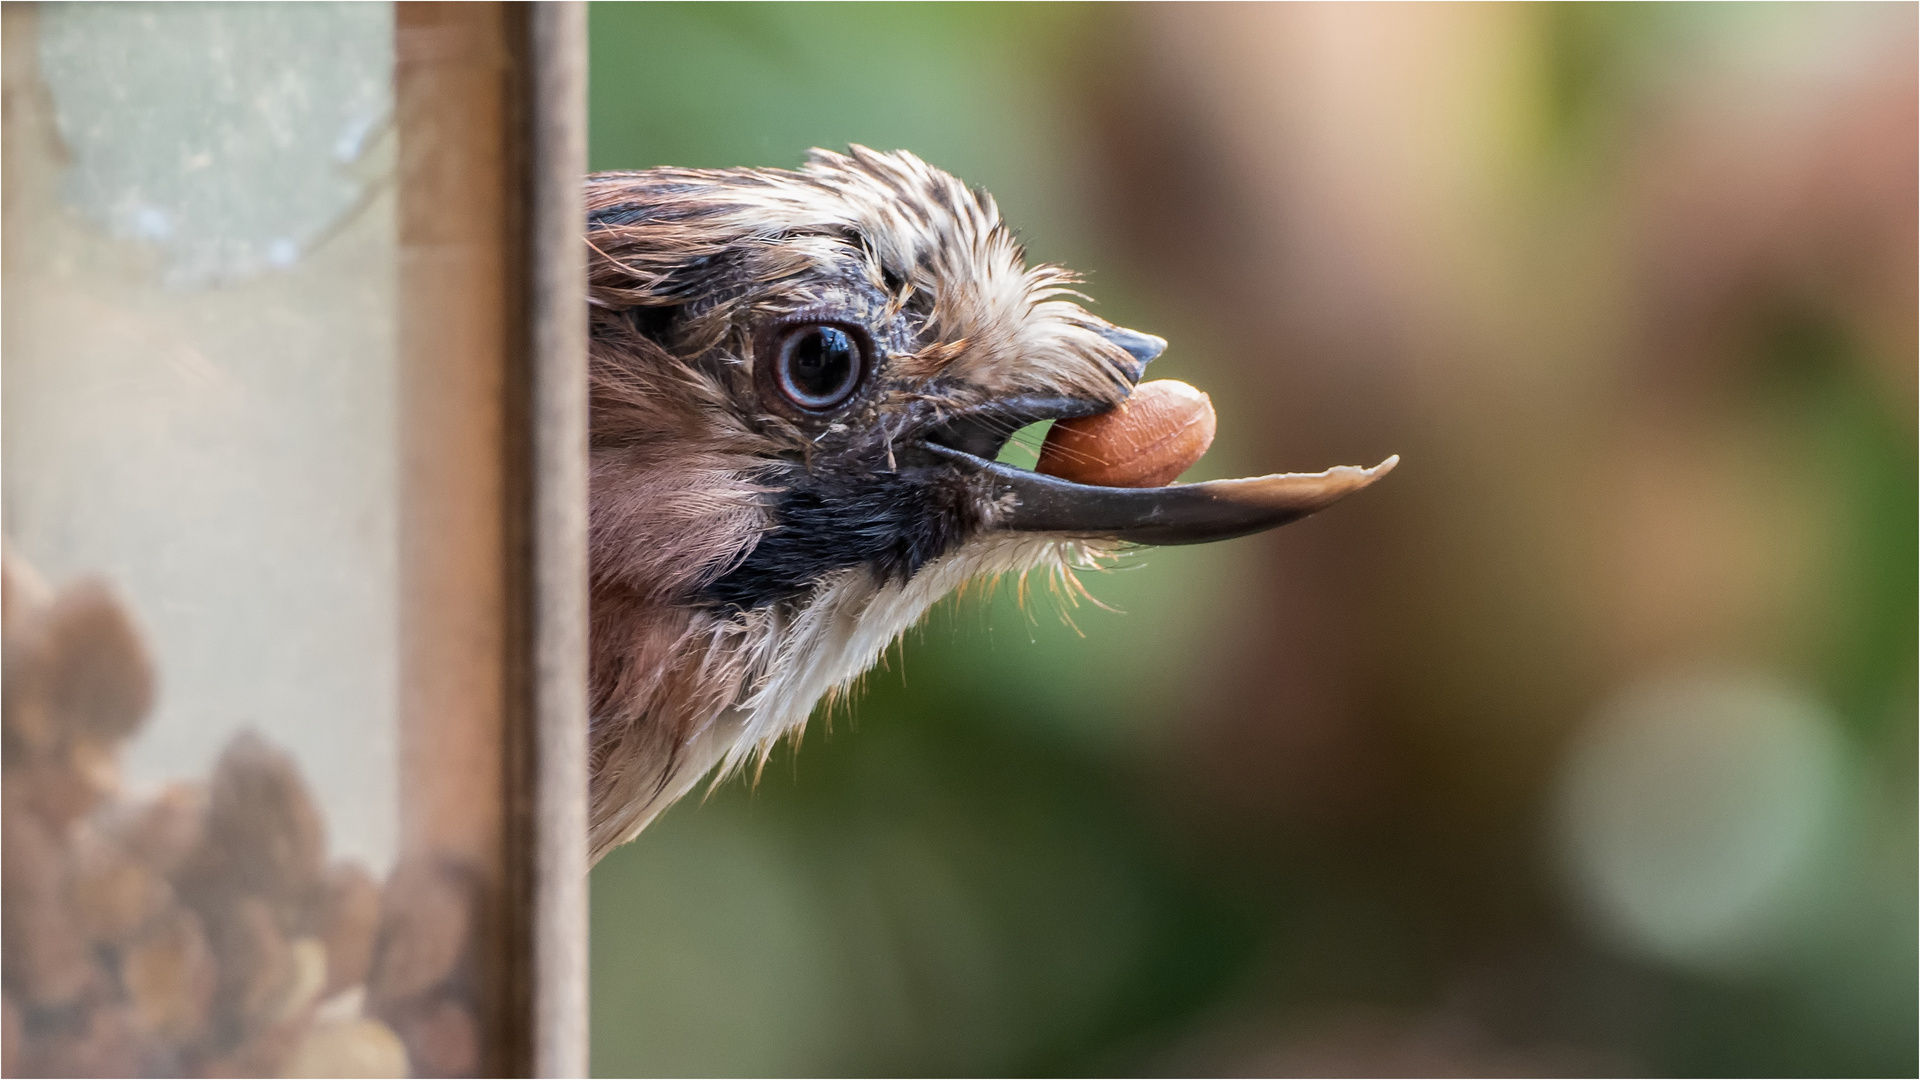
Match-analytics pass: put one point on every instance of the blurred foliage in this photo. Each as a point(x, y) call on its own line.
point(980, 864)
point(710, 86)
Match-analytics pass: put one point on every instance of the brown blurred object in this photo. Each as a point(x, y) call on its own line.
point(263, 837)
point(256, 965)
point(440, 1035)
point(168, 829)
point(347, 920)
point(424, 927)
point(190, 934)
point(47, 963)
point(77, 680)
point(114, 895)
point(77, 672)
point(170, 978)
point(423, 980)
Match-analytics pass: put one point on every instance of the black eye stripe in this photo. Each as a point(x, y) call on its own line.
point(893, 522)
point(820, 365)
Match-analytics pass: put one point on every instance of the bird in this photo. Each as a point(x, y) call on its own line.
point(799, 384)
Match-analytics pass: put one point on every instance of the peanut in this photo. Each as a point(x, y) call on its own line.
point(1146, 441)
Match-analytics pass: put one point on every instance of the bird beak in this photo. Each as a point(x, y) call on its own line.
point(1175, 514)
point(1141, 347)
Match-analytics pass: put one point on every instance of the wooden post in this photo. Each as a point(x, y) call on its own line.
point(557, 166)
point(491, 111)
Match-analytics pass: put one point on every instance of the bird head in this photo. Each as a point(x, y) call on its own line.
point(800, 381)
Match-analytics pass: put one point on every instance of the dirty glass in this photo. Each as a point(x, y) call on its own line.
point(205, 858)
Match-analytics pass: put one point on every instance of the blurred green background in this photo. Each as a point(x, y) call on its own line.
point(1582, 745)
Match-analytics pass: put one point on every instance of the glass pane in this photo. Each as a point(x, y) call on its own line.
point(207, 866)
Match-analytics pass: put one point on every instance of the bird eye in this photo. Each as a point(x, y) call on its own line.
point(818, 366)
